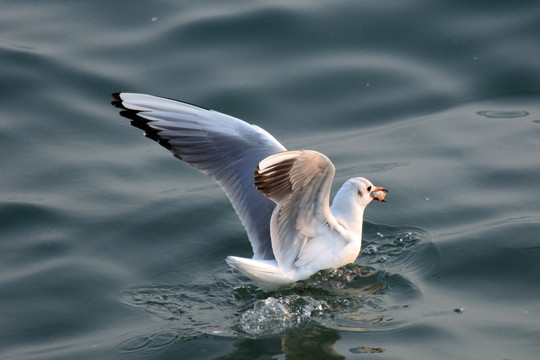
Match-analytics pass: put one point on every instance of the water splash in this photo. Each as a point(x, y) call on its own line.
point(365, 295)
point(353, 297)
point(276, 315)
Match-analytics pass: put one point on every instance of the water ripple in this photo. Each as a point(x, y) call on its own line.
point(149, 343)
point(367, 295)
point(502, 114)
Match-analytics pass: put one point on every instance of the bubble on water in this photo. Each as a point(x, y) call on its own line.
point(370, 250)
point(276, 315)
point(405, 238)
point(382, 259)
point(502, 114)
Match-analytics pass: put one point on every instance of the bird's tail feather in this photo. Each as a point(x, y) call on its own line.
point(265, 273)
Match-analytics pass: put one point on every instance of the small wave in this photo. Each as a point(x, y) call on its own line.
point(399, 249)
point(149, 344)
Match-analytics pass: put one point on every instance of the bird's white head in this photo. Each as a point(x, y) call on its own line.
point(353, 197)
point(351, 200)
point(366, 191)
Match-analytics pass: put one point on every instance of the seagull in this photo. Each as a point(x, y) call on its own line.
point(282, 197)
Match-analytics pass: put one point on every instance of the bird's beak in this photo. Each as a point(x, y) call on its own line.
point(379, 194)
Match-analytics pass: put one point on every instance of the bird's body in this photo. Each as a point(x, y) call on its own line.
point(284, 207)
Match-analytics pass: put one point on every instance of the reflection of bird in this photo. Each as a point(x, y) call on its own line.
point(295, 233)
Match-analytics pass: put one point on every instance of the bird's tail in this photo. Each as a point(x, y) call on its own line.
point(265, 273)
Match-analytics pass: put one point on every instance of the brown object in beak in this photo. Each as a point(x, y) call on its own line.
point(379, 194)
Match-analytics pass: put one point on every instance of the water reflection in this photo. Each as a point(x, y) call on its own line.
point(314, 342)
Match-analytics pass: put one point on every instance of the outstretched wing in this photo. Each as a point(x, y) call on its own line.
point(221, 146)
point(299, 183)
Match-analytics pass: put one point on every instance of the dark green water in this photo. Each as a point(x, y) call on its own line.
point(112, 249)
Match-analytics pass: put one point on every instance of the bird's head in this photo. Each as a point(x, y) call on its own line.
point(366, 191)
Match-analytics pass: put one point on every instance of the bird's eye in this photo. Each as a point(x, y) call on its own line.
point(369, 188)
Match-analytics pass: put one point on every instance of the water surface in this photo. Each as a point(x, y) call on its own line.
point(112, 248)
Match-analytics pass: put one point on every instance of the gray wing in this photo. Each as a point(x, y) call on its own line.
point(299, 182)
point(223, 147)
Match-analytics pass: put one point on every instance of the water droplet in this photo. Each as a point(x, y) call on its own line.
point(370, 250)
point(502, 114)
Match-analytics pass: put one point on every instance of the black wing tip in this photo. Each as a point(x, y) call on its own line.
point(149, 131)
point(142, 123)
point(117, 102)
point(139, 122)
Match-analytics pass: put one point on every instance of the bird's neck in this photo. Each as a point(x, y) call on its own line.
point(347, 211)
